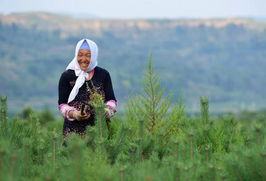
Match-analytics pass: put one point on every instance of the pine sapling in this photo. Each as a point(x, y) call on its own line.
point(3, 115)
point(212, 172)
point(152, 105)
point(224, 177)
point(13, 164)
point(54, 147)
point(122, 174)
point(141, 137)
point(91, 132)
point(97, 102)
point(3, 105)
point(148, 178)
point(133, 153)
point(186, 172)
point(204, 103)
point(219, 172)
point(2, 152)
point(176, 149)
point(263, 155)
point(115, 146)
point(191, 145)
point(258, 133)
point(177, 174)
point(207, 153)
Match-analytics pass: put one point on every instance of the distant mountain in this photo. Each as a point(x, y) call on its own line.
point(223, 59)
point(80, 15)
point(74, 26)
point(260, 19)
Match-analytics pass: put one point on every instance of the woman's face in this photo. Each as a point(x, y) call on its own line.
point(84, 59)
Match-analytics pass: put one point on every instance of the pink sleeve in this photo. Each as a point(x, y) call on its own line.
point(64, 109)
point(110, 108)
point(112, 104)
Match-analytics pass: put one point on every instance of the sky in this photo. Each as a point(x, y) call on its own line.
point(124, 9)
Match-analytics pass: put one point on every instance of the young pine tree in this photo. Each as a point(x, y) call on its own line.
point(150, 106)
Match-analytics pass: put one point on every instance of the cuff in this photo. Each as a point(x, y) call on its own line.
point(64, 109)
point(110, 108)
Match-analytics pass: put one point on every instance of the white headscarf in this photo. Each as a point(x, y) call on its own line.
point(74, 65)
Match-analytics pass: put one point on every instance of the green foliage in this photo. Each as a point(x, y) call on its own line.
point(44, 116)
point(180, 148)
point(176, 120)
point(26, 112)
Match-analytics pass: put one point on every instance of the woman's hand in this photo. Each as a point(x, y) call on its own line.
point(78, 116)
point(109, 113)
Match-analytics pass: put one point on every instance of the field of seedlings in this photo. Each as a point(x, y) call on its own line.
point(154, 140)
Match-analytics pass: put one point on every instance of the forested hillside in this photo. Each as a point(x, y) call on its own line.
point(222, 59)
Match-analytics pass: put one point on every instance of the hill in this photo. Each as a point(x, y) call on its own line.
point(223, 59)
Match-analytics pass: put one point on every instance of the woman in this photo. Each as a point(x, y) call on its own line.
point(81, 76)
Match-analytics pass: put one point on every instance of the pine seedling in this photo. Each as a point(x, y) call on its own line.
point(207, 152)
point(204, 104)
point(212, 172)
point(35, 137)
point(177, 173)
point(224, 177)
point(115, 146)
point(122, 174)
point(132, 114)
point(13, 165)
point(54, 138)
point(148, 178)
point(3, 107)
point(91, 136)
point(186, 173)
point(161, 146)
point(27, 161)
point(101, 132)
point(176, 143)
point(181, 106)
point(152, 105)
point(263, 156)
point(77, 149)
point(258, 133)
point(141, 137)
point(97, 102)
point(133, 150)
point(191, 145)
point(3, 115)
point(220, 173)
point(2, 152)
point(174, 121)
